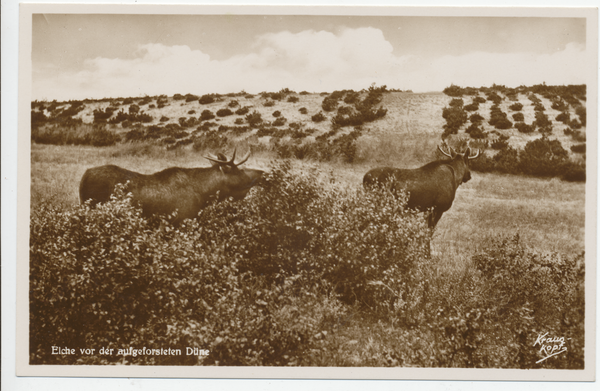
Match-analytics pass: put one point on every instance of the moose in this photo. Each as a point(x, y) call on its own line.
point(430, 187)
point(185, 190)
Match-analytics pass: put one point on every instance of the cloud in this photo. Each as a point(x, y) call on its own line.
point(310, 60)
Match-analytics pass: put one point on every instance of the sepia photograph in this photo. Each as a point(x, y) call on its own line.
point(307, 192)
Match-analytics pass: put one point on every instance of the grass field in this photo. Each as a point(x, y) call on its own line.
point(549, 214)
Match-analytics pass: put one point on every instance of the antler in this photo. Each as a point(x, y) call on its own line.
point(445, 153)
point(473, 157)
point(230, 161)
point(243, 159)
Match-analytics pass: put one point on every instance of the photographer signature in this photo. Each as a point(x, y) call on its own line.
point(550, 346)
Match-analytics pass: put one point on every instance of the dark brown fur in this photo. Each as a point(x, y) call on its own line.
point(431, 186)
point(186, 190)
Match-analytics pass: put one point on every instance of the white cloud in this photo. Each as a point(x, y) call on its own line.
point(309, 60)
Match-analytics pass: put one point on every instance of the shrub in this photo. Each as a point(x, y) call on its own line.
point(190, 97)
point(210, 140)
point(206, 115)
point(543, 157)
point(319, 117)
point(178, 97)
point(206, 99)
point(280, 121)
point(476, 118)
point(475, 131)
point(293, 99)
point(494, 97)
point(472, 107)
point(269, 103)
point(453, 91)
point(524, 128)
point(224, 112)
point(547, 288)
point(276, 113)
point(560, 105)
point(573, 172)
point(100, 116)
point(575, 124)
point(479, 99)
point(564, 117)
point(164, 119)
point(501, 142)
point(455, 117)
point(456, 102)
point(351, 97)
point(243, 110)
point(192, 112)
point(38, 118)
point(254, 119)
point(239, 121)
point(541, 120)
point(303, 110)
point(499, 119)
point(578, 148)
point(233, 103)
point(329, 104)
point(519, 117)
point(101, 137)
point(516, 107)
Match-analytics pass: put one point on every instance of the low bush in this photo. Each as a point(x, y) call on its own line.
point(573, 172)
point(472, 107)
point(518, 117)
point(329, 104)
point(476, 118)
point(543, 157)
point(475, 131)
point(206, 115)
point(319, 117)
point(206, 99)
point(564, 117)
point(303, 110)
point(524, 128)
point(254, 119)
point(242, 110)
point(516, 107)
point(578, 148)
point(280, 121)
point(224, 112)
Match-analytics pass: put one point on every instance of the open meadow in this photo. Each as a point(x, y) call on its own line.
point(309, 269)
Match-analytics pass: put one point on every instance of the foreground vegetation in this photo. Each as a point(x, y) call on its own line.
point(305, 271)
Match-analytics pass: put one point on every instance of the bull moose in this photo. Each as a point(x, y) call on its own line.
point(431, 187)
point(186, 190)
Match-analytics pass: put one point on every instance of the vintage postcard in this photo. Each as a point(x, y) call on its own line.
point(307, 192)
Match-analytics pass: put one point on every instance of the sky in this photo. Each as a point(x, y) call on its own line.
point(79, 56)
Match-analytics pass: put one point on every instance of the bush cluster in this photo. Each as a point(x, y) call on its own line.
point(499, 119)
point(540, 157)
point(233, 281)
point(76, 134)
point(455, 117)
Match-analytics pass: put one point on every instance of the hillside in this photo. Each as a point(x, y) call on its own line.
point(386, 126)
